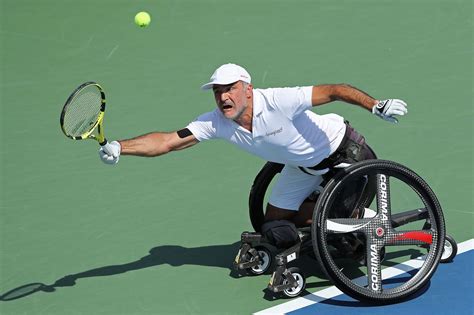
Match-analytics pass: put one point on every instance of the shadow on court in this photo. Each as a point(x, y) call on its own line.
point(212, 256)
point(220, 256)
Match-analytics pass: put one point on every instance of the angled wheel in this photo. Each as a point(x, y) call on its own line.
point(393, 225)
point(263, 180)
point(258, 190)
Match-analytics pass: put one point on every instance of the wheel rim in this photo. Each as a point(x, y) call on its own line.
point(447, 250)
point(298, 288)
point(257, 193)
point(261, 268)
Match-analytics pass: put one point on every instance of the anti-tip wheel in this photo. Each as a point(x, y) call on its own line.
point(300, 279)
point(266, 261)
point(450, 249)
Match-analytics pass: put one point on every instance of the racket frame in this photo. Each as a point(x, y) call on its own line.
point(99, 123)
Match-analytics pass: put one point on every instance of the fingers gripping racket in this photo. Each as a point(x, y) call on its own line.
point(83, 114)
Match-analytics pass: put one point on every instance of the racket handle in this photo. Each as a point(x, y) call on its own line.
point(107, 147)
point(103, 143)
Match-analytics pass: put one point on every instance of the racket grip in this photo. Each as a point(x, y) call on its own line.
point(108, 148)
point(103, 143)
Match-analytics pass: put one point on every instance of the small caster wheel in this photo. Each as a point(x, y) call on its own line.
point(265, 261)
point(450, 249)
point(300, 279)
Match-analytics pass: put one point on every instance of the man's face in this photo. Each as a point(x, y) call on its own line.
point(232, 98)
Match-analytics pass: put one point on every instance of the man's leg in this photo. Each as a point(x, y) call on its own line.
point(302, 217)
point(288, 200)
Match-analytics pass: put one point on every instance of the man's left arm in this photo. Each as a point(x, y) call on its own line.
point(385, 109)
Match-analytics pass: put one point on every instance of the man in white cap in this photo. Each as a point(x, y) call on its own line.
point(277, 125)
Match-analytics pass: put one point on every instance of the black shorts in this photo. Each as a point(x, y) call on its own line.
point(353, 148)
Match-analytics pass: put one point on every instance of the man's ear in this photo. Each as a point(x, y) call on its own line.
point(248, 92)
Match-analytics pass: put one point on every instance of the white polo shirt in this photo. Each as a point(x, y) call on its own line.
point(284, 129)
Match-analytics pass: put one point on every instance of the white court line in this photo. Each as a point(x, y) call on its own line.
point(331, 292)
point(111, 53)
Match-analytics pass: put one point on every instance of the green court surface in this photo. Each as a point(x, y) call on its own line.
point(158, 236)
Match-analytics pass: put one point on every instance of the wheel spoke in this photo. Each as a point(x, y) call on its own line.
point(418, 237)
point(347, 225)
point(374, 267)
point(383, 197)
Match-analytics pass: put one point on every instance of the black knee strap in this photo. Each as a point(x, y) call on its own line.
point(281, 233)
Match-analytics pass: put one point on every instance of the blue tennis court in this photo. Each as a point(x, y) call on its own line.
point(450, 291)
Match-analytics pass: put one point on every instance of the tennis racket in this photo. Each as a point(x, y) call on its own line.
point(83, 114)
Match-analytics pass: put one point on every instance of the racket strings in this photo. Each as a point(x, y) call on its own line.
point(83, 112)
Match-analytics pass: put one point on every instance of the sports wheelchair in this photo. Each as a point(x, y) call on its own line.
point(397, 214)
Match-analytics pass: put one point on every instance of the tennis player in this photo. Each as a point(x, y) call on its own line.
point(276, 124)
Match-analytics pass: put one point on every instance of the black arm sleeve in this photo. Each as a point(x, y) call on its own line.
point(183, 133)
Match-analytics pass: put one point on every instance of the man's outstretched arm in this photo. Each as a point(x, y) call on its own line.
point(157, 143)
point(385, 109)
point(149, 145)
point(326, 93)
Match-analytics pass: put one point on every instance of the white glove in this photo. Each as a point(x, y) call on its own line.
point(386, 109)
point(110, 153)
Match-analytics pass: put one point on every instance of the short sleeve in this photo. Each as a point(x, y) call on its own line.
point(204, 127)
point(293, 101)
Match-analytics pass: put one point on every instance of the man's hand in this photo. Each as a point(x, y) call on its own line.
point(110, 154)
point(386, 109)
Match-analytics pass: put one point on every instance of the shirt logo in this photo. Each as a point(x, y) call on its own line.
point(274, 132)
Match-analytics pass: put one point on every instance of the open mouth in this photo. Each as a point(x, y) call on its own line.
point(226, 107)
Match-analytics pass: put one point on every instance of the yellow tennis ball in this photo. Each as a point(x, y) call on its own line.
point(142, 19)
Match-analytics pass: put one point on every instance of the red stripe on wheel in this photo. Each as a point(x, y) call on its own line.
point(416, 236)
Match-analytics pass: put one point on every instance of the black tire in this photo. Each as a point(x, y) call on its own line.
point(378, 232)
point(266, 257)
point(300, 278)
point(257, 193)
point(450, 249)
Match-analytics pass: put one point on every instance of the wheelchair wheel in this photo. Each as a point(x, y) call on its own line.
point(391, 226)
point(450, 249)
point(300, 279)
point(266, 261)
point(262, 182)
point(257, 193)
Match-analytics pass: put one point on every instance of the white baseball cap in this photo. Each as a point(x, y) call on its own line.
point(227, 74)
